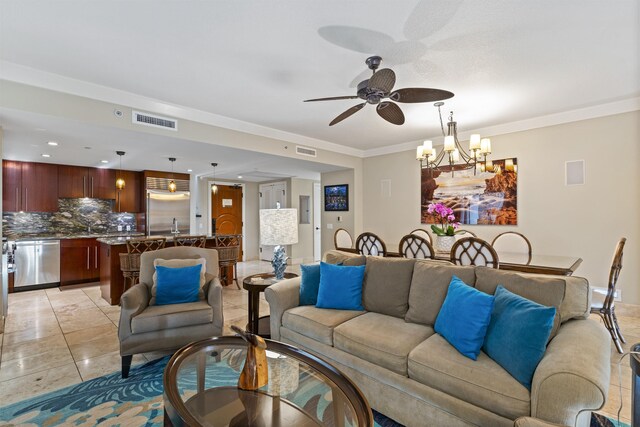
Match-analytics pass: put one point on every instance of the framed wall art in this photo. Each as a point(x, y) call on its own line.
point(336, 198)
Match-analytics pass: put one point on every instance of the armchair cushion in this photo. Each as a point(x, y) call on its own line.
point(177, 285)
point(178, 263)
point(161, 317)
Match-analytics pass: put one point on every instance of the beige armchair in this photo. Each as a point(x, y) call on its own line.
point(145, 327)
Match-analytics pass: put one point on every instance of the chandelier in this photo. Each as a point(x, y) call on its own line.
point(453, 156)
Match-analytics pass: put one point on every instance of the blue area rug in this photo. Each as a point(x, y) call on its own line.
point(137, 401)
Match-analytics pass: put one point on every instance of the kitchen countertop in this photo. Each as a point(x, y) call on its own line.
point(121, 240)
point(63, 236)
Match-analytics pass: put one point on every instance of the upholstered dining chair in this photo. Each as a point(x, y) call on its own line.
point(144, 327)
point(603, 302)
point(192, 241)
point(342, 239)
point(370, 244)
point(414, 246)
point(474, 251)
point(421, 232)
point(512, 242)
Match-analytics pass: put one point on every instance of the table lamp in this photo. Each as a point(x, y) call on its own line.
point(279, 227)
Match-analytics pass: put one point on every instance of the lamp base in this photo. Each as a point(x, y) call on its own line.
point(279, 262)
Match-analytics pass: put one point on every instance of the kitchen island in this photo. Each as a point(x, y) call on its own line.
point(112, 283)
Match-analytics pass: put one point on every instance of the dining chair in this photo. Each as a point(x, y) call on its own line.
point(464, 233)
point(605, 308)
point(370, 244)
point(191, 241)
point(421, 232)
point(512, 241)
point(474, 251)
point(417, 247)
point(342, 239)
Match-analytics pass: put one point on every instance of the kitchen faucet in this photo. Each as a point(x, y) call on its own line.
point(174, 227)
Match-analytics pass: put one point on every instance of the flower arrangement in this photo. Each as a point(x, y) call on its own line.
point(444, 216)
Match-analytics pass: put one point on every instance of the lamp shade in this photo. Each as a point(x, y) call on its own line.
point(278, 227)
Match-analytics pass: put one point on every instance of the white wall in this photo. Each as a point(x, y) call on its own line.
point(302, 252)
point(585, 221)
point(348, 219)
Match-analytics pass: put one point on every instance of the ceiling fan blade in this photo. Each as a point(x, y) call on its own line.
point(419, 94)
point(390, 112)
point(383, 79)
point(347, 113)
point(333, 98)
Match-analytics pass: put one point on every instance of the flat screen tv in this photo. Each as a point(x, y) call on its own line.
point(336, 198)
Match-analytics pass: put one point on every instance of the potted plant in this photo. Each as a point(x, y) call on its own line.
point(445, 227)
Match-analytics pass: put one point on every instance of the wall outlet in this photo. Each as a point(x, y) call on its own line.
point(128, 228)
point(329, 226)
point(119, 228)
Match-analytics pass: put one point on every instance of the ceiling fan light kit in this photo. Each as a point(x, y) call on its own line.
point(377, 90)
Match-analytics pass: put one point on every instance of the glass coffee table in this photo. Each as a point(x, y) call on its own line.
point(200, 389)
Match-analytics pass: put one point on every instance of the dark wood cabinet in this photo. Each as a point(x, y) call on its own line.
point(29, 187)
point(130, 199)
point(76, 181)
point(79, 261)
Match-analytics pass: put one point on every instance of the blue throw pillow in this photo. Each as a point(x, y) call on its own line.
point(464, 317)
point(177, 285)
point(518, 333)
point(340, 287)
point(309, 284)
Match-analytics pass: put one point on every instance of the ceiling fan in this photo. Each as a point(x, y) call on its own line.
point(378, 88)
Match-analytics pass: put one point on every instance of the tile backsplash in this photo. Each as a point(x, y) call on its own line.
point(73, 216)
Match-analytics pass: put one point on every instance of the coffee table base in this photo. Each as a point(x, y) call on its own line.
point(234, 407)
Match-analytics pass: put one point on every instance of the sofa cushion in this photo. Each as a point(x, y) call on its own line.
point(340, 287)
point(545, 290)
point(386, 285)
point(309, 284)
point(159, 317)
point(429, 286)
point(345, 258)
point(483, 382)
point(316, 323)
point(380, 339)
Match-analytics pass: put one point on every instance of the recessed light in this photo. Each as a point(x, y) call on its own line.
point(239, 176)
point(104, 161)
point(53, 143)
point(189, 170)
point(46, 155)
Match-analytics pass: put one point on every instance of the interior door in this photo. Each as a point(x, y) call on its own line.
point(317, 222)
point(270, 196)
point(226, 209)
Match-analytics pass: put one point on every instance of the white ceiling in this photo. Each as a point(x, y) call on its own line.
point(26, 137)
point(255, 61)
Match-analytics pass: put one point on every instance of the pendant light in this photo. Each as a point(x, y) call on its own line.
point(120, 180)
point(172, 184)
point(214, 187)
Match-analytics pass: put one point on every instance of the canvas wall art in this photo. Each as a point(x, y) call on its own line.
point(489, 196)
point(336, 197)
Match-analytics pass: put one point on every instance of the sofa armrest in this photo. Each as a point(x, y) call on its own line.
point(214, 299)
point(281, 297)
point(573, 375)
point(132, 303)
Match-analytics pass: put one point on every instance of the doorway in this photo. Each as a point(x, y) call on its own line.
point(270, 196)
point(226, 212)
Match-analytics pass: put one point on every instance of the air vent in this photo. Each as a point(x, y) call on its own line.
point(154, 121)
point(306, 151)
point(163, 184)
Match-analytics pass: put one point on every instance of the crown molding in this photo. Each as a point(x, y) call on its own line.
point(608, 109)
point(56, 82)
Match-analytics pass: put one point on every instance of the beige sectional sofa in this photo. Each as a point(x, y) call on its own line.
point(413, 375)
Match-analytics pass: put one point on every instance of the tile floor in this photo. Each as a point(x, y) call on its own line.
point(55, 338)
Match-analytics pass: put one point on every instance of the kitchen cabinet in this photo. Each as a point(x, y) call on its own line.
point(29, 187)
point(76, 181)
point(130, 199)
point(79, 261)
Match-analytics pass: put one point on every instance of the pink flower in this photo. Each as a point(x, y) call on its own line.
point(451, 218)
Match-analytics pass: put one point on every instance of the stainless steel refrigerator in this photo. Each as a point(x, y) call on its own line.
point(167, 211)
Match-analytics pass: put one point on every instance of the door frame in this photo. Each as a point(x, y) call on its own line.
point(286, 194)
point(210, 183)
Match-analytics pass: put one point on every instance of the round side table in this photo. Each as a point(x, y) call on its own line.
point(256, 284)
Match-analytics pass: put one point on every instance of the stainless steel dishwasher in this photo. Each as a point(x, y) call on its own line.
point(37, 263)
